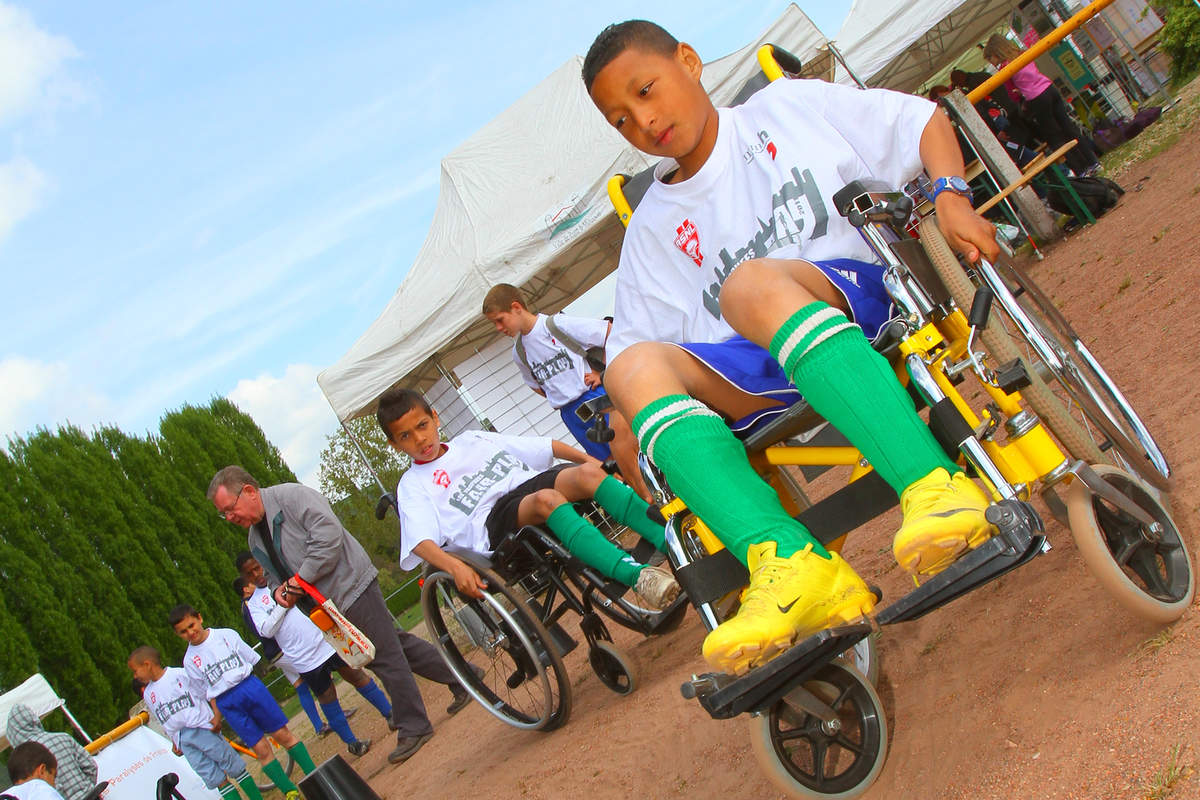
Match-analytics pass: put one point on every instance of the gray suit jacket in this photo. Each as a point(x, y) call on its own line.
point(312, 543)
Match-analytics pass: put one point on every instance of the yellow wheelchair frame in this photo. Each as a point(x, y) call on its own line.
point(1080, 444)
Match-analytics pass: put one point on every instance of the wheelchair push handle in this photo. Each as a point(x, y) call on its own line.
point(593, 411)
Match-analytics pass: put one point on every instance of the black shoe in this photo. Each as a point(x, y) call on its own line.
point(359, 748)
point(460, 701)
point(325, 731)
point(407, 746)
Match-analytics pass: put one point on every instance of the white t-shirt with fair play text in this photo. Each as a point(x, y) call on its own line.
point(303, 646)
point(220, 662)
point(553, 368)
point(36, 789)
point(447, 500)
point(766, 190)
point(178, 701)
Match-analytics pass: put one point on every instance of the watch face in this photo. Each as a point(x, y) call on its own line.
point(958, 184)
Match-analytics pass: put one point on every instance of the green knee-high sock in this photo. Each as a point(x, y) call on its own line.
point(628, 509)
point(274, 771)
point(590, 546)
point(300, 753)
point(707, 467)
point(229, 791)
point(246, 781)
point(842, 377)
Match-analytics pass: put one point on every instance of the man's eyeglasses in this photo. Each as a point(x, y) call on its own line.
point(225, 514)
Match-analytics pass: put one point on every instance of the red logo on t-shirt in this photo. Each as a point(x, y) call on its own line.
point(441, 478)
point(687, 239)
point(196, 660)
point(153, 697)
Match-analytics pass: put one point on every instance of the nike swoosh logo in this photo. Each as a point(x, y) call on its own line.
point(788, 607)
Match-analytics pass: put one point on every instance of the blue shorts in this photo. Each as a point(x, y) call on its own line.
point(753, 370)
point(579, 428)
point(210, 756)
point(251, 710)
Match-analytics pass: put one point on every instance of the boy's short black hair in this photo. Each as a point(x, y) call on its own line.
point(616, 39)
point(138, 686)
point(146, 653)
point(395, 403)
point(241, 558)
point(179, 613)
point(239, 583)
point(27, 757)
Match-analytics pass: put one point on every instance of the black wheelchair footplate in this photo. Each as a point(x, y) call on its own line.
point(724, 696)
point(1018, 541)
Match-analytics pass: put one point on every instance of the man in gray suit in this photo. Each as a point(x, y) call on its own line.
point(293, 531)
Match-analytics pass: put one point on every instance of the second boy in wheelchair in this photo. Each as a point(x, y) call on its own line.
point(473, 490)
point(741, 290)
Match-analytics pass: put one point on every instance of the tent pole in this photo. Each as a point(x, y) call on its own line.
point(75, 722)
point(853, 75)
point(362, 454)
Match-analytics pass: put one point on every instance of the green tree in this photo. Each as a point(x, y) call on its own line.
point(343, 471)
point(1180, 39)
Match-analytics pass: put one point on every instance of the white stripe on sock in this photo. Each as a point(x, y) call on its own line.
point(806, 327)
point(825, 335)
point(675, 407)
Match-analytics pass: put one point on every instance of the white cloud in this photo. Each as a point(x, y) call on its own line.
point(31, 63)
point(34, 393)
point(292, 413)
point(23, 187)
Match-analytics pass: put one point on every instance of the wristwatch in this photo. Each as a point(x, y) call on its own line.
point(952, 184)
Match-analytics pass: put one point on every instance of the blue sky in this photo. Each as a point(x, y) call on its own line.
point(202, 199)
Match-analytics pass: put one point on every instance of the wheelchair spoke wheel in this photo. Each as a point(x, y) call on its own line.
point(499, 652)
point(612, 667)
point(1146, 568)
point(811, 758)
point(1070, 391)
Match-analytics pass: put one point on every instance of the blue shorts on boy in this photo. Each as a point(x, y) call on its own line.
point(251, 711)
point(223, 663)
point(210, 756)
point(753, 370)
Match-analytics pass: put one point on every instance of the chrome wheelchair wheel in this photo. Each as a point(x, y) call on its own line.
point(499, 651)
point(1145, 567)
point(1069, 388)
point(864, 657)
point(808, 757)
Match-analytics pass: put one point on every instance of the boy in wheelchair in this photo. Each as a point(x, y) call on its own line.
point(473, 490)
point(739, 292)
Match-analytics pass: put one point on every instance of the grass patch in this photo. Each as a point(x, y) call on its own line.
point(1152, 646)
point(1163, 783)
point(410, 617)
point(933, 643)
point(1125, 284)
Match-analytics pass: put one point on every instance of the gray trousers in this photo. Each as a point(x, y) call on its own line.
point(398, 654)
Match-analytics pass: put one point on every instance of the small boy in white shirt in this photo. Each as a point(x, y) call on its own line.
point(180, 706)
point(552, 355)
point(220, 661)
point(32, 768)
point(472, 491)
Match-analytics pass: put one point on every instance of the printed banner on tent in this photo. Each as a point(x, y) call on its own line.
point(133, 764)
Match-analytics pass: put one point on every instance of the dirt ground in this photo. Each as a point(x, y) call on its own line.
point(1035, 686)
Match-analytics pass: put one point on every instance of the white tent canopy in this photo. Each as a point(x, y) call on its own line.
point(894, 44)
point(522, 201)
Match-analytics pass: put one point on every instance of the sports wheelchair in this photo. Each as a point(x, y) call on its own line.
point(507, 647)
point(1015, 396)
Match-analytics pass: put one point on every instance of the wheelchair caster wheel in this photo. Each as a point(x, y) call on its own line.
point(1145, 567)
point(864, 657)
point(611, 667)
point(809, 757)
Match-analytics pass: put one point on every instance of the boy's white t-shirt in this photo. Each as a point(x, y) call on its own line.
point(553, 368)
point(766, 190)
point(220, 662)
point(447, 500)
point(177, 702)
point(36, 789)
point(297, 636)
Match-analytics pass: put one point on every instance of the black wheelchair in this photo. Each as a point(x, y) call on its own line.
point(507, 647)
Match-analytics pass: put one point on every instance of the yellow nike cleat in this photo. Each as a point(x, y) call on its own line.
point(943, 518)
point(788, 599)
